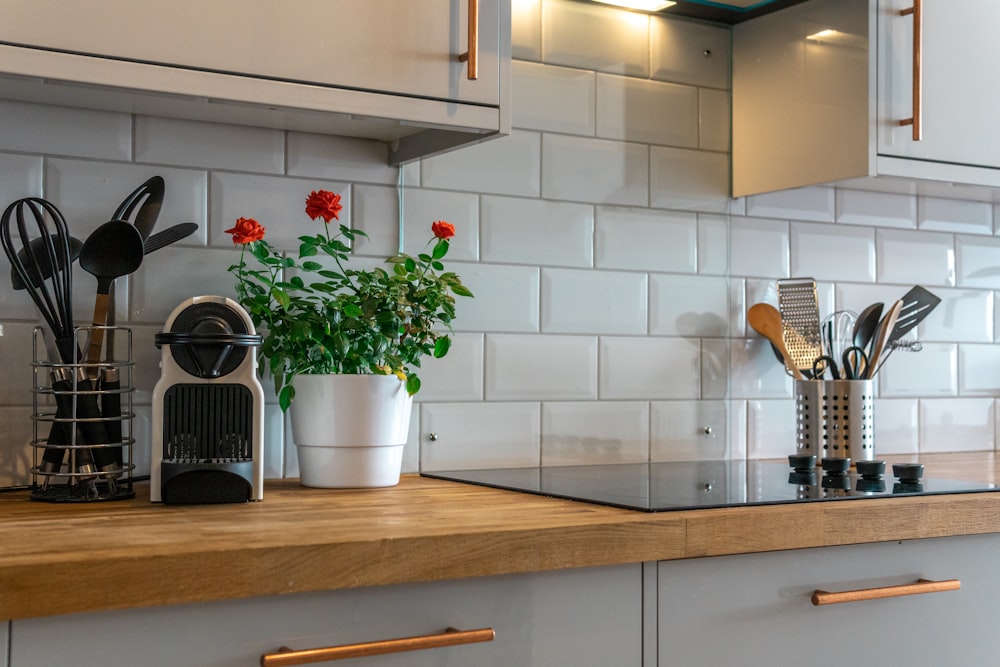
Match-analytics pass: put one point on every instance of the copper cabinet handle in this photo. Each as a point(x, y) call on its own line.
point(450, 637)
point(922, 586)
point(918, 22)
point(472, 55)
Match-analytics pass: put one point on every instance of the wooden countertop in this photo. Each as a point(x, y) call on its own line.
point(58, 559)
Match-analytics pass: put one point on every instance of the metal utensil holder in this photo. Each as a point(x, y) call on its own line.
point(835, 418)
point(70, 402)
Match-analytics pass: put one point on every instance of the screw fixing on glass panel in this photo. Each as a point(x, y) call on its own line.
point(432, 437)
point(707, 430)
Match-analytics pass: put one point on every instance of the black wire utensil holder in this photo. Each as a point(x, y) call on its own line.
point(82, 414)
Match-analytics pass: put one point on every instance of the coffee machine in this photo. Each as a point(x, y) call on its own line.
point(208, 406)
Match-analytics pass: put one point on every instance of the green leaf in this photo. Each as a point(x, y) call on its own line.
point(410, 265)
point(285, 397)
point(352, 310)
point(307, 250)
point(412, 384)
point(441, 346)
point(438, 266)
point(461, 290)
point(281, 297)
point(399, 270)
point(312, 266)
point(440, 248)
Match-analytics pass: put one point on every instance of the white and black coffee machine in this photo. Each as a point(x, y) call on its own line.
point(208, 406)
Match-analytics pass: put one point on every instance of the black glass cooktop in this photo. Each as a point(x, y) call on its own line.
point(658, 487)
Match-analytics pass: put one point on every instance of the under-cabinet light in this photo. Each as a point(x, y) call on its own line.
point(644, 5)
point(838, 38)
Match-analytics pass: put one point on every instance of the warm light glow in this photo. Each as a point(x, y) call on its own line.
point(644, 5)
point(838, 38)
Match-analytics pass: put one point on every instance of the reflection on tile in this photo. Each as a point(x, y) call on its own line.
point(526, 29)
point(833, 252)
point(976, 259)
point(915, 257)
point(689, 52)
point(595, 37)
point(896, 429)
point(688, 180)
point(631, 109)
point(713, 120)
point(649, 368)
point(505, 435)
point(930, 372)
point(688, 431)
point(526, 367)
point(585, 433)
point(553, 99)
point(957, 425)
point(963, 316)
point(688, 305)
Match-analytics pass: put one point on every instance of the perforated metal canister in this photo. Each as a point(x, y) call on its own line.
point(835, 418)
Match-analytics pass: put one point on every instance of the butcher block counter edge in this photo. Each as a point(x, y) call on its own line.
point(61, 559)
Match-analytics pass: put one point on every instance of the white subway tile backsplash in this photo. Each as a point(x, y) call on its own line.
point(649, 368)
point(339, 158)
point(952, 215)
point(15, 359)
point(535, 231)
point(963, 316)
point(597, 38)
point(689, 52)
point(525, 367)
point(930, 372)
point(589, 432)
point(713, 120)
point(976, 259)
point(479, 435)
point(526, 29)
point(688, 180)
point(375, 211)
point(714, 368)
point(88, 192)
point(20, 176)
point(279, 204)
point(506, 166)
point(895, 421)
point(578, 301)
point(759, 248)
point(422, 207)
point(506, 298)
point(979, 370)
point(957, 425)
point(189, 143)
point(713, 244)
point(756, 373)
point(650, 112)
point(55, 130)
point(169, 276)
point(770, 429)
point(641, 239)
point(915, 257)
point(458, 376)
point(553, 99)
point(15, 447)
point(833, 252)
point(690, 306)
point(877, 209)
point(689, 431)
point(600, 171)
point(812, 203)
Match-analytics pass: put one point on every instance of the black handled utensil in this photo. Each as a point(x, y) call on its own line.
point(168, 236)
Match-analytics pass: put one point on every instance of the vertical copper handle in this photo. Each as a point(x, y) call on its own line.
point(450, 637)
point(918, 22)
point(472, 55)
point(922, 586)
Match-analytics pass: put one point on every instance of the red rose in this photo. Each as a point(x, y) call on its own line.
point(246, 230)
point(323, 204)
point(443, 230)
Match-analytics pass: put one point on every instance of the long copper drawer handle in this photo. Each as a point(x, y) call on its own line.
point(472, 55)
point(918, 30)
point(922, 586)
point(450, 637)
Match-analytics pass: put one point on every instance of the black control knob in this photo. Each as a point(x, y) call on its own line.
point(870, 469)
point(802, 462)
point(835, 465)
point(908, 473)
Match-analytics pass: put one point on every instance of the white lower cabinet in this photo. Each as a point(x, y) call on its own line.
point(756, 609)
point(572, 617)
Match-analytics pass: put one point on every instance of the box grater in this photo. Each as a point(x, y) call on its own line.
point(799, 307)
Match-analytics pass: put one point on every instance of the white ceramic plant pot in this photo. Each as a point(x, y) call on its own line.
point(349, 430)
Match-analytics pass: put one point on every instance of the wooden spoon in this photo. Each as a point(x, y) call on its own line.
point(766, 320)
point(881, 337)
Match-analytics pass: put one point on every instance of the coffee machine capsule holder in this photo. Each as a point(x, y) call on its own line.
point(208, 406)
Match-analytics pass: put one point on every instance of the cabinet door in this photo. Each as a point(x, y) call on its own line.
point(588, 617)
point(756, 609)
point(960, 69)
point(404, 47)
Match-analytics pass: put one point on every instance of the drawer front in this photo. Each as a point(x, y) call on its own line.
point(756, 609)
point(577, 617)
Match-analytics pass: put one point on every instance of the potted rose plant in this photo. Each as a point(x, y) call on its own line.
point(339, 338)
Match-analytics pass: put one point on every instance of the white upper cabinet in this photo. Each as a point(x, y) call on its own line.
point(820, 90)
point(383, 69)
